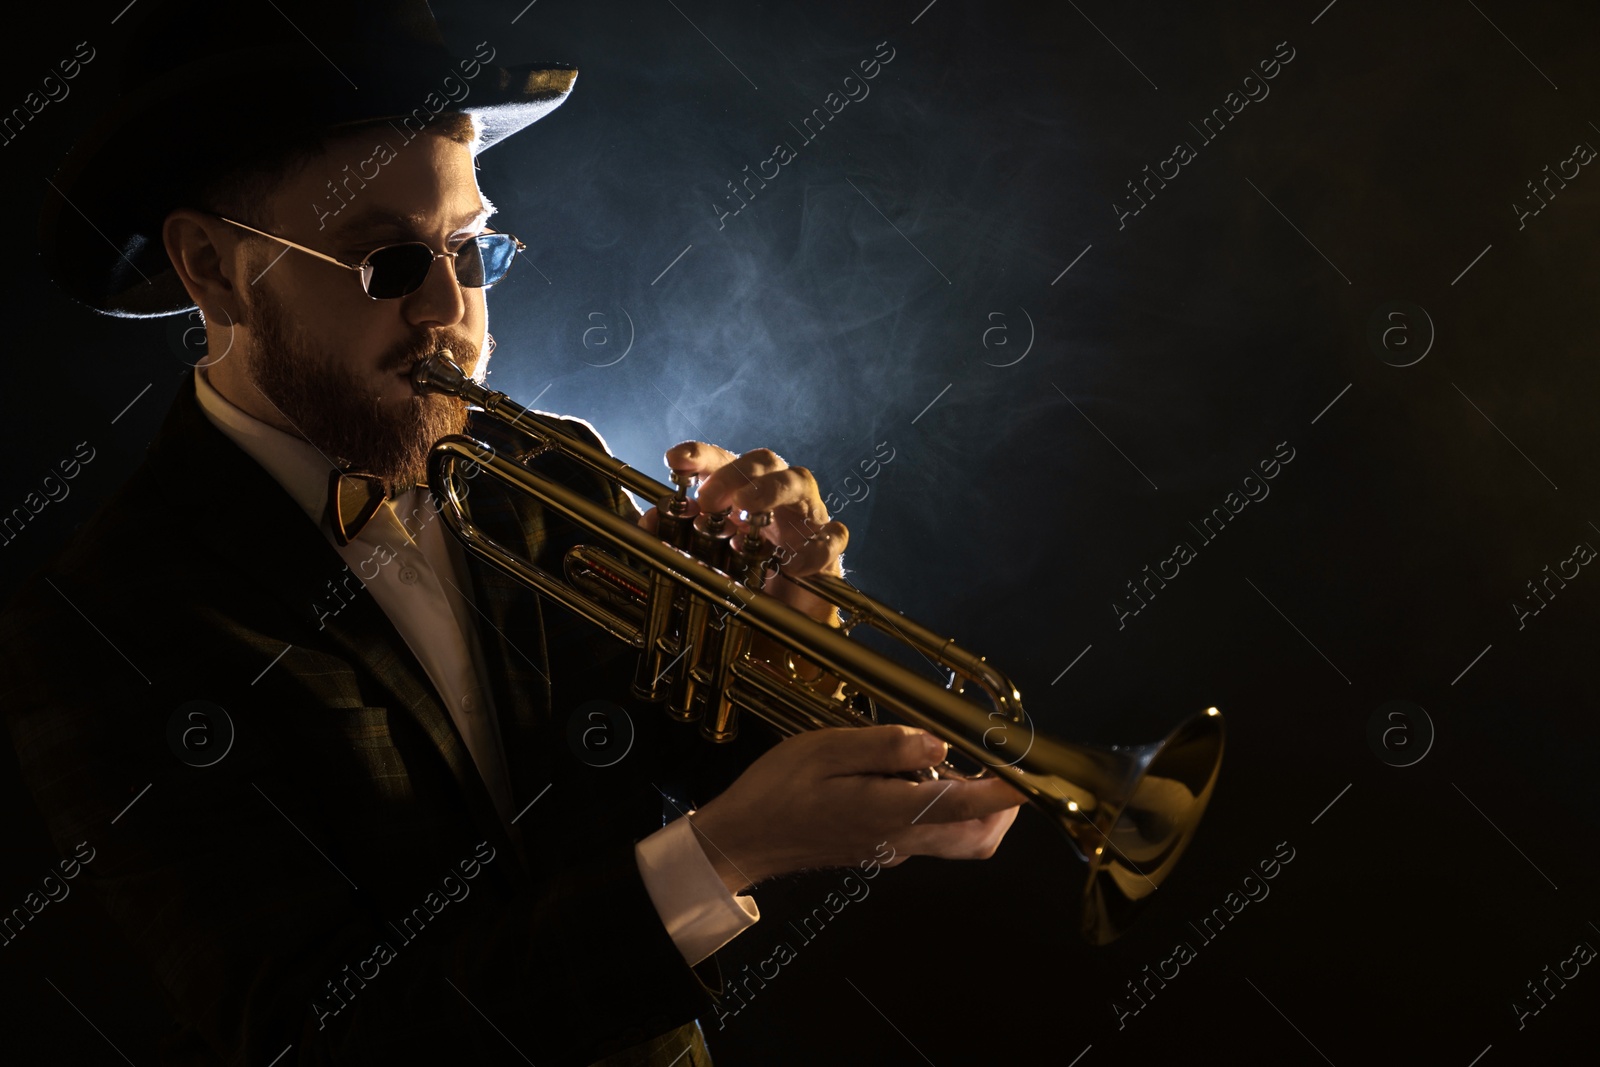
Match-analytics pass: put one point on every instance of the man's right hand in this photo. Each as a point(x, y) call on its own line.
point(824, 798)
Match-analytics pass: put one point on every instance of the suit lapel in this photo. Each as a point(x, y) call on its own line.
point(265, 534)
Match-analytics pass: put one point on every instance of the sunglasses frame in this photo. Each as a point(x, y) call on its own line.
point(364, 267)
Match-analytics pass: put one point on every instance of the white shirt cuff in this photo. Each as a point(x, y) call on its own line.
point(698, 911)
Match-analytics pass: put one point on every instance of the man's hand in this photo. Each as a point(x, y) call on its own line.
point(826, 798)
point(823, 799)
point(807, 541)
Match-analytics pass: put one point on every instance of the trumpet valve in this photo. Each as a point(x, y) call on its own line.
point(682, 482)
point(748, 566)
point(712, 542)
point(723, 727)
point(675, 513)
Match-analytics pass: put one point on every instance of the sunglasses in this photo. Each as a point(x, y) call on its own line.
point(400, 269)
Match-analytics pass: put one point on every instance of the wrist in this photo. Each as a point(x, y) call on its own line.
point(735, 875)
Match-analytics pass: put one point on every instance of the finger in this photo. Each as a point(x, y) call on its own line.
point(995, 827)
point(973, 839)
point(698, 457)
point(888, 749)
point(757, 480)
point(770, 487)
point(820, 554)
point(958, 800)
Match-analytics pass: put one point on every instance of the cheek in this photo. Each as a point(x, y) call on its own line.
point(349, 341)
point(326, 312)
point(474, 326)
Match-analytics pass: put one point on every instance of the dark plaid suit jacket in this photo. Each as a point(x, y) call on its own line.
point(340, 881)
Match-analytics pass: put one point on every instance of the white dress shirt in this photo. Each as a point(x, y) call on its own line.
point(421, 584)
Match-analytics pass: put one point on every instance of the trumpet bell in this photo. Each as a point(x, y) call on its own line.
point(1131, 847)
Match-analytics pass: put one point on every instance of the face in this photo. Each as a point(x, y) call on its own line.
point(317, 357)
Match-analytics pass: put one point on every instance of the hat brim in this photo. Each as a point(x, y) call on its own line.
point(100, 222)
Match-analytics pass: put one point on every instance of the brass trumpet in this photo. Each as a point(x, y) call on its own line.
point(690, 603)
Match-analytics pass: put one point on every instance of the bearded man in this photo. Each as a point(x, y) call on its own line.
point(320, 755)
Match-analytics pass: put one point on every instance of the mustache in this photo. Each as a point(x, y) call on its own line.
point(407, 356)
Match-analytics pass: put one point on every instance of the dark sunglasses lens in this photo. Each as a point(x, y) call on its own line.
point(485, 259)
point(398, 270)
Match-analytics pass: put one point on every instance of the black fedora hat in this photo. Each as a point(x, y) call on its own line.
point(207, 87)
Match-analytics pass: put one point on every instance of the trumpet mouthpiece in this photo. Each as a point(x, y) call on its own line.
point(439, 373)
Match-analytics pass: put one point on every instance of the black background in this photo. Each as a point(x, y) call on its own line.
point(1221, 320)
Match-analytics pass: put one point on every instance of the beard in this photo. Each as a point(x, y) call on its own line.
point(326, 400)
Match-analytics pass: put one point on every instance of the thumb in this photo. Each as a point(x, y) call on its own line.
point(884, 750)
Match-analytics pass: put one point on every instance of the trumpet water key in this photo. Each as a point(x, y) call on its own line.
point(692, 604)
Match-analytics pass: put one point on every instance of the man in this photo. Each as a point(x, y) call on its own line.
point(320, 755)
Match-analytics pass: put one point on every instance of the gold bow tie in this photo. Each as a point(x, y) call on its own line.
point(353, 499)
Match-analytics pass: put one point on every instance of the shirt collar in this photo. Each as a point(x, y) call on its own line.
point(294, 463)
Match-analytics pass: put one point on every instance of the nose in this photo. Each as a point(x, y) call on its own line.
point(439, 301)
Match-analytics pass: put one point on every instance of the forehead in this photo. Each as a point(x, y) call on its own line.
point(376, 180)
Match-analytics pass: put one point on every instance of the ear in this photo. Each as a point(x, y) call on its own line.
point(204, 251)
